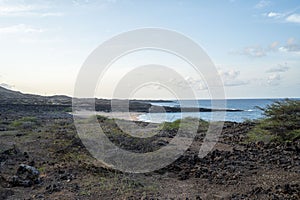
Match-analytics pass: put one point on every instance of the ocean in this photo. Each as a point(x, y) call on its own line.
point(249, 107)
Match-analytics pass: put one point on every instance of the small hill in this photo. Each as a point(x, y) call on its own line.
point(15, 97)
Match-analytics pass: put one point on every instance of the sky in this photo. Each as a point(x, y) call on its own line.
point(255, 45)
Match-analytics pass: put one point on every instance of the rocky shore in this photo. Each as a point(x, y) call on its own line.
point(41, 157)
point(10, 98)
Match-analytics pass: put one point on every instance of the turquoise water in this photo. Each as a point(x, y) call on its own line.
point(249, 107)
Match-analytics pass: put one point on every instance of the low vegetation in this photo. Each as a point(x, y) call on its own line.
point(185, 124)
point(25, 123)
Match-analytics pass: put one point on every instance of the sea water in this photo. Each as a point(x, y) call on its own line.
point(251, 110)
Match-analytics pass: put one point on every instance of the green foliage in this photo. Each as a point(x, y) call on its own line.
point(126, 186)
point(171, 126)
point(67, 109)
point(259, 134)
point(101, 118)
point(281, 122)
point(25, 123)
point(185, 123)
point(295, 134)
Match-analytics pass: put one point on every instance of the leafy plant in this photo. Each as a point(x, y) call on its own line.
point(25, 123)
point(281, 122)
point(185, 123)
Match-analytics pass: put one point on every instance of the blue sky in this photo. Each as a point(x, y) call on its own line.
point(255, 45)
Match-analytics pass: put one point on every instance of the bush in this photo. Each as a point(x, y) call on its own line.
point(185, 124)
point(281, 122)
point(101, 118)
point(25, 123)
point(171, 126)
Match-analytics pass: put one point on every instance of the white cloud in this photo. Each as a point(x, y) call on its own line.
point(20, 9)
point(274, 79)
point(291, 46)
point(80, 2)
point(279, 68)
point(262, 4)
point(253, 51)
point(272, 14)
point(294, 18)
point(231, 78)
point(20, 28)
point(13, 9)
point(52, 14)
point(197, 84)
point(275, 15)
point(259, 51)
point(189, 82)
point(289, 17)
point(274, 46)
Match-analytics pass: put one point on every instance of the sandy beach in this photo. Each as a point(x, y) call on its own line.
point(131, 116)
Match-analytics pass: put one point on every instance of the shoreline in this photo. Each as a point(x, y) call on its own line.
point(45, 138)
point(137, 116)
point(131, 116)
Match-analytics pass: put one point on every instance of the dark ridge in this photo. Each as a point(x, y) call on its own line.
point(13, 98)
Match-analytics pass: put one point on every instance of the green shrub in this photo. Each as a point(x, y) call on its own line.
point(171, 126)
point(25, 123)
point(185, 123)
point(67, 109)
point(101, 118)
point(281, 122)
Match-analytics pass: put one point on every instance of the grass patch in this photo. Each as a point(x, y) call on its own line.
point(258, 134)
point(126, 186)
point(184, 124)
point(67, 109)
point(27, 123)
